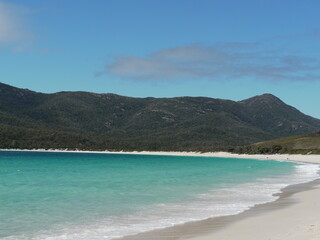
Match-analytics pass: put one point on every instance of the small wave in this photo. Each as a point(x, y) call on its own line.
point(218, 202)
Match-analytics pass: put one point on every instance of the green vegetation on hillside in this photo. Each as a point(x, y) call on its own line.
point(301, 144)
point(90, 121)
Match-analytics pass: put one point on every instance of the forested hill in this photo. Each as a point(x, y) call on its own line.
point(93, 121)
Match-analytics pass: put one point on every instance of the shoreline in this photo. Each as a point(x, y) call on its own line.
point(278, 157)
point(291, 217)
point(294, 216)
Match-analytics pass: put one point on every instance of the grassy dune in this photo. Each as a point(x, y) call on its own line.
point(304, 144)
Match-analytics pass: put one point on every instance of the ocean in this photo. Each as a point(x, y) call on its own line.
point(49, 196)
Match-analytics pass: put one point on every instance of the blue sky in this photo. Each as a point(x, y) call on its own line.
point(223, 49)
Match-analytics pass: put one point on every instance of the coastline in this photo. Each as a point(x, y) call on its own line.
point(296, 219)
point(278, 157)
point(292, 216)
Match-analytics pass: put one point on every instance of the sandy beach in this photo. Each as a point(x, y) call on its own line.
point(298, 219)
point(295, 216)
point(279, 157)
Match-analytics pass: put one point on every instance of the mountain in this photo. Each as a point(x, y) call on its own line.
point(271, 114)
point(93, 121)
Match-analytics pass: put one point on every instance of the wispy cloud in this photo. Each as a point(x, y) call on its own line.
point(221, 61)
point(13, 27)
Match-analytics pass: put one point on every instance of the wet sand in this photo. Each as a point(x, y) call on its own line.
point(294, 216)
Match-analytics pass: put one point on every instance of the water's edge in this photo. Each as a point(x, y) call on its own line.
point(252, 195)
point(210, 225)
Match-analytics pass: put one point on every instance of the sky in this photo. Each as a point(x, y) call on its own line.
point(226, 49)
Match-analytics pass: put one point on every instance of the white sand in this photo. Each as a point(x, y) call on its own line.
point(279, 157)
point(300, 221)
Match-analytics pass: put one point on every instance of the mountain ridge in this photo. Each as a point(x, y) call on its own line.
point(111, 121)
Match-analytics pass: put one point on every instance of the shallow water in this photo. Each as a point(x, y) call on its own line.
point(103, 196)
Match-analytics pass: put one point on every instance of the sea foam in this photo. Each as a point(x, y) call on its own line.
point(214, 203)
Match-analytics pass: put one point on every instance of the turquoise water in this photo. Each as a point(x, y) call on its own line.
point(102, 196)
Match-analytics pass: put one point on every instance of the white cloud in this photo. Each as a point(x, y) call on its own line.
point(12, 24)
point(223, 61)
